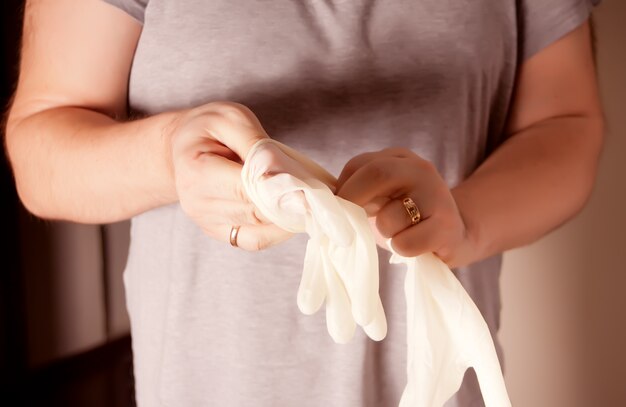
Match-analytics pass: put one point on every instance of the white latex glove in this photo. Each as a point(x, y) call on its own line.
point(446, 333)
point(341, 261)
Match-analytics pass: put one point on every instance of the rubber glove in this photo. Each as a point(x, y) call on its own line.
point(446, 333)
point(341, 261)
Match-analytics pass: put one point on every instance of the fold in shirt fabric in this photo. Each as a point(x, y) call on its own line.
point(446, 334)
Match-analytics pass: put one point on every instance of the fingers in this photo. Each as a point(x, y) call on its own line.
point(250, 237)
point(222, 211)
point(418, 239)
point(394, 217)
point(377, 329)
point(441, 229)
point(209, 145)
point(360, 160)
point(395, 174)
point(392, 174)
point(221, 177)
point(211, 192)
point(312, 289)
point(382, 177)
point(339, 320)
point(234, 125)
point(354, 164)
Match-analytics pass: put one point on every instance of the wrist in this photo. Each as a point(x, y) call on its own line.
point(162, 134)
point(167, 134)
point(474, 246)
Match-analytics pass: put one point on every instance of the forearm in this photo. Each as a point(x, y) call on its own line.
point(530, 185)
point(79, 165)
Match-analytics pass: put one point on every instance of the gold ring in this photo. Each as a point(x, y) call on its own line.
point(412, 210)
point(234, 231)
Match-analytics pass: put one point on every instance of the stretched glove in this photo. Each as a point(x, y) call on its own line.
point(341, 261)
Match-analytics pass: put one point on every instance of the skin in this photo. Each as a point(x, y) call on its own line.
point(539, 178)
point(76, 157)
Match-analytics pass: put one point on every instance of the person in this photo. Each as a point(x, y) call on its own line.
point(484, 113)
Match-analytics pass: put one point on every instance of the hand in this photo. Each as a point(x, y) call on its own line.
point(208, 146)
point(340, 263)
point(379, 181)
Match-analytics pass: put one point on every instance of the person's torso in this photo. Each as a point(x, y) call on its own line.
point(213, 325)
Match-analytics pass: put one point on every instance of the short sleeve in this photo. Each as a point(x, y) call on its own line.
point(135, 8)
point(544, 21)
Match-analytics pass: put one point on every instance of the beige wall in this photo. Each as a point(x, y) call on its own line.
point(564, 310)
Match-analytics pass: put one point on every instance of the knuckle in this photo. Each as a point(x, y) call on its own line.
point(427, 166)
point(384, 226)
point(399, 151)
point(260, 243)
point(210, 115)
point(353, 164)
point(407, 152)
point(377, 171)
point(251, 215)
point(358, 161)
point(258, 215)
point(231, 111)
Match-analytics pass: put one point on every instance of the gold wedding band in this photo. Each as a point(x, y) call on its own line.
point(234, 231)
point(412, 210)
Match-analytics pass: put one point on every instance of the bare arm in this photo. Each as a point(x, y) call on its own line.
point(70, 158)
point(544, 173)
point(536, 180)
point(74, 157)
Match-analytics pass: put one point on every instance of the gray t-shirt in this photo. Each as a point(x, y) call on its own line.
point(213, 325)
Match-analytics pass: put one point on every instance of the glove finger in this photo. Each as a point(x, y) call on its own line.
point(360, 274)
point(329, 214)
point(377, 329)
point(312, 290)
point(339, 319)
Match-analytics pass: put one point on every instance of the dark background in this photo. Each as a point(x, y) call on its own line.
point(99, 377)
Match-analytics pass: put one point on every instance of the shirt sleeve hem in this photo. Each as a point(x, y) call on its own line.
point(135, 12)
point(568, 21)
